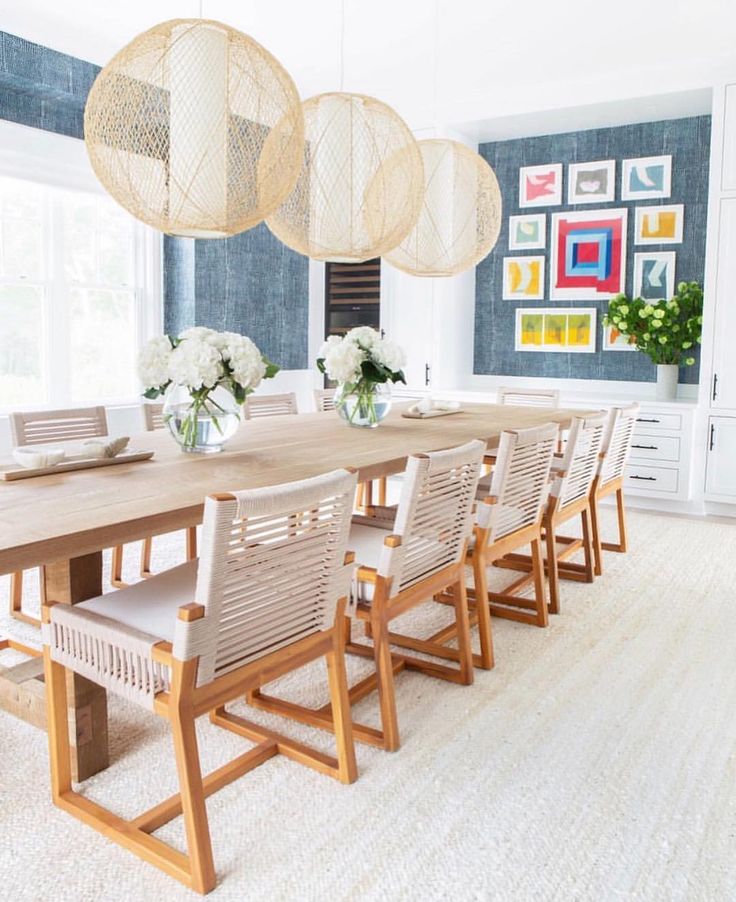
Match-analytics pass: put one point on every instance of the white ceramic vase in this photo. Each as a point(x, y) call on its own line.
point(667, 374)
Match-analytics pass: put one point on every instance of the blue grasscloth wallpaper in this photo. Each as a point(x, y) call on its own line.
point(250, 283)
point(688, 141)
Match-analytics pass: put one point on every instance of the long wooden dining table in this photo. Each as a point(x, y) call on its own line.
point(63, 521)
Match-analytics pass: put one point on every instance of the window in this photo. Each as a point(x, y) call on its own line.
point(76, 299)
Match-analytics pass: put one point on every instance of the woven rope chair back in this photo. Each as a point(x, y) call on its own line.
point(580, 460)
point(520, 483)
point(43, 426)
point(531, 397)
point(617, 440)
point(434, 516)
point(270, 406)
point(153, 416)
point(271, 570)
point(324, 399)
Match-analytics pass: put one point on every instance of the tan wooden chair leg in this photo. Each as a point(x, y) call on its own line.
point(595, 529)
point(386, 688)
point(16, 592)
point(587, 546)
point(462, 619)
point(146, 549)
point(552, 571)
point(483, 611)
point(191, 543)
point(191, 786)
point(360, 496)
point(621, 511)
point(116, 568)
point(340, 705)
point(540, 595)
point(382, 491)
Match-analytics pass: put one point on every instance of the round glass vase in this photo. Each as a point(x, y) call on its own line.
point(363, 405)
point(201, 421)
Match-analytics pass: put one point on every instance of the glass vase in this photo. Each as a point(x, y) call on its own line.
point(201, 421)
point(363, 404)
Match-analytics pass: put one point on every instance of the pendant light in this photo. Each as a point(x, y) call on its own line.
point(178, 129)
point(361, 182)
point(460, 219)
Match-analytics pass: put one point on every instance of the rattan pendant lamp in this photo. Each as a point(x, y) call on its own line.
point(179, 127)
point(460, 219)
point(361, 182)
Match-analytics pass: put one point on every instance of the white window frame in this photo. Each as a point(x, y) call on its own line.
point(61, 162)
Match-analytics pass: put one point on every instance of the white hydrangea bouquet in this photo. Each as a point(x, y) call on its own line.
point(206, 376)
point(363, 363)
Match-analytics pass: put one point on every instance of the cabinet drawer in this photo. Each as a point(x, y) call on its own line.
point(651, 479)
point(651, 419)
point(650, 446)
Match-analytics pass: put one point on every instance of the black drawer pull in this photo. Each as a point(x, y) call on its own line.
point(645, 420)
point(647, 447)
point(646, 478)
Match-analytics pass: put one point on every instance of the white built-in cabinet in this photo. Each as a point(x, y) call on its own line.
point(720, 484)
point(723, 386)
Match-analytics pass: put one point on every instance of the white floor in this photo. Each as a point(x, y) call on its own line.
point(596, 762)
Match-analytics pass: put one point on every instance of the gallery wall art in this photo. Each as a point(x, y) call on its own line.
point(613, 340)
point(556, 329)
point(591, 183)
point(646, 178)
point(540, 186)
point(587, 254)
point(523, 278)
point(553, 189)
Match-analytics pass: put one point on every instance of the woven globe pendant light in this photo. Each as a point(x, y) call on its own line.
point(178, 128)
point(361, 183)
point(460, 219)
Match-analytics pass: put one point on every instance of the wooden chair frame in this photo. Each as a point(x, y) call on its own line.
point(377, 617)
point(181, 706)
point(270, 406)
point(602, 490)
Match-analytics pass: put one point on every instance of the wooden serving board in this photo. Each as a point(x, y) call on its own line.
point(127, 457)
point(429, 414)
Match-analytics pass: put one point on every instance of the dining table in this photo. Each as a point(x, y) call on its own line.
point(63, 521)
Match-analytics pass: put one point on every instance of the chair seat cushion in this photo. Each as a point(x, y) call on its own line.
point(367, 542)
point(151, 605)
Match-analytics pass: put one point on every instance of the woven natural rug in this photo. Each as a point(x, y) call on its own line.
point(596, 762)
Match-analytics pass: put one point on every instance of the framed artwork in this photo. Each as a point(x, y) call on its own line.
point(646, 178)
point(613, 340)
point(523, 278)
point(552, 329)
point(654, 275)
point(540, 186)
point(590, 183)
point(528, 231)
point(659, 225)
point(587, 255)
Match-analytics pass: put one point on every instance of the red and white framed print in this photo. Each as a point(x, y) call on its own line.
point(588, 255)
point(540, 186)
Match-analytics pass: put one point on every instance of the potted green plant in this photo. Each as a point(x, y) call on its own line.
point(666, 331)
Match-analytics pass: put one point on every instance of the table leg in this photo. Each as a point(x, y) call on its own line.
point(70, 582)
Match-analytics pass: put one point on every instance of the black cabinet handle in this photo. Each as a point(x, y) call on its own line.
point(644, 420)
point(712, 436)
point(647, 447)
point(426, 374)
point(714, 395)
point(645, 478)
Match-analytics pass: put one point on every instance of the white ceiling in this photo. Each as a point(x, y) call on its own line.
point(498, 62)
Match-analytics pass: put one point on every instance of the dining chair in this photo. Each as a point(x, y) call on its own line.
point(267, 596)
point(270, 406)
point(399, 569)
point(153, 417)
point(529, 397)
point(41, 427)
point(573, 473)
point(615, 448)
point(324, 399)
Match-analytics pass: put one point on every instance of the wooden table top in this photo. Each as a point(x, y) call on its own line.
point(65, 515)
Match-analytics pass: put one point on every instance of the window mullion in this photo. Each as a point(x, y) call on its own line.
point(59, 356)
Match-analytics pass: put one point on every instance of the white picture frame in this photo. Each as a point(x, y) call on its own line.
point(646, 178)
point(564, 285)
point(523, 278)
point(646, 277)
point(527, 232)
point(540, 186)
point(556, 315)
point(650, 228)
point(618, 343)
point(591, 183)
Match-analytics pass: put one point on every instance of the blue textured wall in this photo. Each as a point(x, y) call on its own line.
point(688, 141)
point(250, 283)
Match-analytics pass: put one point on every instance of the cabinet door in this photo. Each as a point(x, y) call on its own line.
point(721, 469)
point(407, 316)
point(724, 389)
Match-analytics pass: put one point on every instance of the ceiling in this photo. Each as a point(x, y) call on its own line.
point(494, 68)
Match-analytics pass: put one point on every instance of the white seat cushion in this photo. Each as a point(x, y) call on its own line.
point(151, 605)
point(366, 542)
